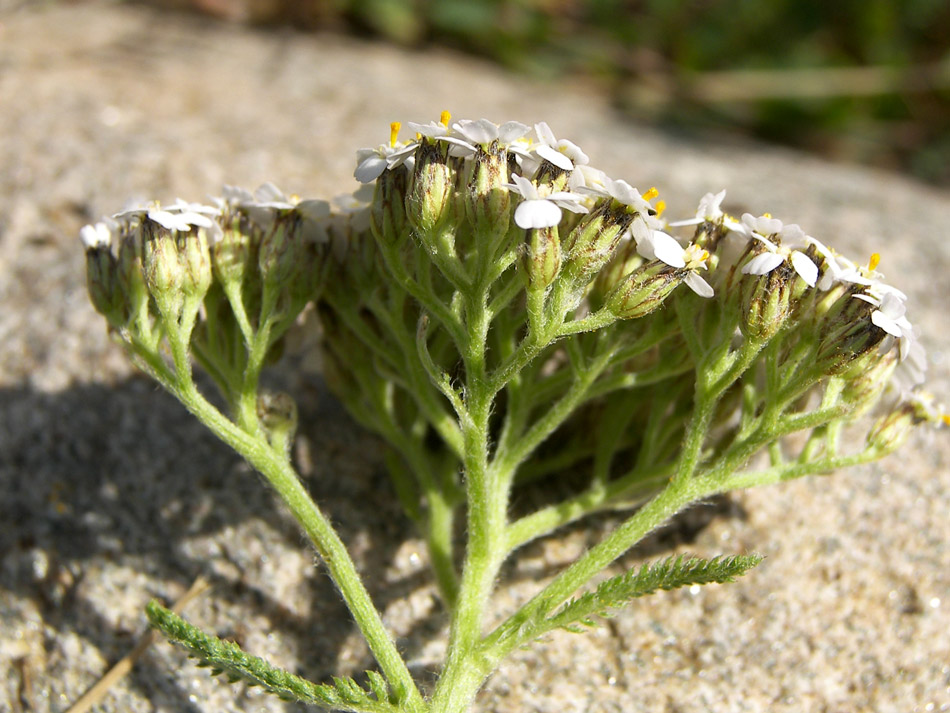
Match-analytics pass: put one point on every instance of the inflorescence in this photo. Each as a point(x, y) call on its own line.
point(501, 312)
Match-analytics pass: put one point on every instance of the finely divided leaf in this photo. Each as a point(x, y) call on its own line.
point(227, 658)
point(671, 573)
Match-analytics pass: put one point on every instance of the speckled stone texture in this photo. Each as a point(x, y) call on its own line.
point(111, 494)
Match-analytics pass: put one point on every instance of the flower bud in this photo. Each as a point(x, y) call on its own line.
point(892, 429)
point(592, 243)
point(487, 201)
point(625, 261)
point(867, 380)
point(196, 260)
point(132, 270)
point(541, 258)
point(642, 291)
point(431, 187)
point(279, 256)
point(164, 273)
point(232, 253)
point(388, 209)
point(102, 280)
point(766, 302)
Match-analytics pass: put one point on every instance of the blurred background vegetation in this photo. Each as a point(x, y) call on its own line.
point(859, 80)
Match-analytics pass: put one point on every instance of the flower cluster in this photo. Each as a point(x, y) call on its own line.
point(546, 176)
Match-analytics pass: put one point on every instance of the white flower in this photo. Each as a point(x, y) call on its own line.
point(179, 221)
point(764, 225)
point(268, 195)
point(370, 163)
point(482, 132)
point(775, 255)
point(545, 146)
point(540, 209)
point(707, 212)
point(665, 248)
point(98, 235)
point(658, 245)
point(890, 316)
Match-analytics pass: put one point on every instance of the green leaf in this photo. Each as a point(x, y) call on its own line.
point(671, 573)
point(228, 659)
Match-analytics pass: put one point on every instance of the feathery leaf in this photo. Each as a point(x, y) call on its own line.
point(227, 658)
point(671, 573)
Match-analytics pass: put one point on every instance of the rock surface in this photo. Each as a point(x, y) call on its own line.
point(110, 494)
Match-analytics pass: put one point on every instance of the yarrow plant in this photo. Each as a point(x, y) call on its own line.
point(501, 313)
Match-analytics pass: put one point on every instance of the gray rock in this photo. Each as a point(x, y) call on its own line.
point(110, 494)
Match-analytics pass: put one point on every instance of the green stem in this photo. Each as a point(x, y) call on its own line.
point(274, 466)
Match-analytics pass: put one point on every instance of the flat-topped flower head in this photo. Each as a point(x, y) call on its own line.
point(541, 208)
point(371, 162)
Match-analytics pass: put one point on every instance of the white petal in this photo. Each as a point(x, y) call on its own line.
point(370, 169)
point(523, 187)
point(639, 230)
point(269, 193)
point(573, 152)
point(544, 133)
point(805, 268)
point(512, 131)
point(169, 221)
point(554, 156)
point(481, 131)
point(537, 214)
point(698, 285)
point(762, 264)
point(663, 247)
point(689, 221)
point(96, 236)
point(893, 306)
point(886, 323)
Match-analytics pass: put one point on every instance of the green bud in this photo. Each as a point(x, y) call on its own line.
point(852, 346)
point(892, 429)
point(848, 342)
point(279, 256)
point(431, 187)
point(625, 261)
point(102, 280)
point(487, 201)
point(642, 291)
point(196, 260)
point(867, 380)
point(232, 253)
point(766, 302)
point(592, 243)
point(132, 270)
point(388, 210)
point(541, 258)
point(164, 273)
